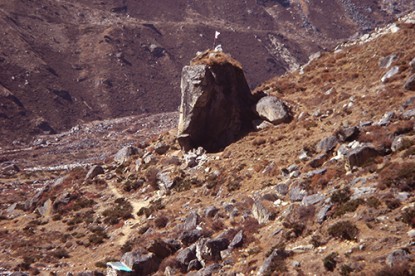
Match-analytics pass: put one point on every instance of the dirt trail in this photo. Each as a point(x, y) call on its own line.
point(128, 226)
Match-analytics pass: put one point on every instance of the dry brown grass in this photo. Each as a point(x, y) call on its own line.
point(211, 58)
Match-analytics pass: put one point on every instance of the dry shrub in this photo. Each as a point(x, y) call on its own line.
point(376, 135)
point(401, 127)
point(344, 230)
point(120, 210)
point(319, 182)
point(330, 262)
point(399, 175)
point(341, 196)
point(396, 270)
point(408, 216)
point(347, 207)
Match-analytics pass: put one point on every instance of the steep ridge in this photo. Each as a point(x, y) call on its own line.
point(330, 192)
point(69, 62)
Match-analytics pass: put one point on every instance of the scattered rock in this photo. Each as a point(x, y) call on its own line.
point(263, 211)
point(412, 64)
point(189, 237)
point(273, 110)
point(322, 213)
point(161, 248)
point(318, 160)
point(209, 249)
point(282, 189)
point(401, 143)
point(411, 233)
point(397, 257)
point(392, 72)
point(194, 265)
point(409, 114)
point(297, 193)
point(386, 62)
point(211, 211)
point(8, 169)
point(186, 255)
point(386, 119)
point(94, 171)
point(161, 148)
point(165, 181)
point(312, 199)
point(216, 105)
point(210, 270)
point(238, 240)
point(327, 144)
point(142, 263)
point(410, 83)
point(124, 154)
point(359, 156)
point(46, 209)
point(191, 222)
point(271, 262)
point(316, 172)
point(348, 134)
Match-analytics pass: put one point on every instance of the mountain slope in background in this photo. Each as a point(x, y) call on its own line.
point(330, 192)
point(64, 62)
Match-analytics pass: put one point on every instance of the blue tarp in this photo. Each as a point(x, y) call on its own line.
point(119, 266)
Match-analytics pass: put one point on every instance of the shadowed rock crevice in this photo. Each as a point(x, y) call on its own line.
point(216, 107)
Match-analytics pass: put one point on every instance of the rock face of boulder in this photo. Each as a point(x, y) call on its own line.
point(216, 105)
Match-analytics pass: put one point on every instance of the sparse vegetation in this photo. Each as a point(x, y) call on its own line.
point(121, 210)
point(330, 262)
point(347, 207)
point(341, 196)
point(344, 230)
point(399, 175)
point(408, 216)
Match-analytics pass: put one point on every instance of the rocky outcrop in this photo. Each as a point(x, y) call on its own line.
point(216, 105)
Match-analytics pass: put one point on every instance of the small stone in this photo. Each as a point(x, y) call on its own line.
point(411, 233)
point(296, 264)
point(318, 160)
point(359, 156)
point(397, 257)
point(386, 62)
point(238, 240)
point(327, 144)
point(161, 148)
point(386, 119)
point(194, 265)
point(186, 255)
point(321, 215)
point(191, 222)
point(401, 143)
point(165, 181)
point(267, 267)
point(348, 134)
point(409, 114)
point(94, 171)
point(282, 189)
point(262, 211)
point(410, 83)
point(124, 154)
point(392, 72)
point(312, 199)
point(316, 172)
point(412, 64)
point(209, 249)
point(211, 211)
point(297, 193)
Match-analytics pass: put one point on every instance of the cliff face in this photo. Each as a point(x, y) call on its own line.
point(68, 62)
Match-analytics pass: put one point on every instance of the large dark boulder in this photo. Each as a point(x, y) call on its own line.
point(217, 105)
point(141, 262)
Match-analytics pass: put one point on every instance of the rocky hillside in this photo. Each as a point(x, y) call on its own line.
point(327, 191)
point(66, 62)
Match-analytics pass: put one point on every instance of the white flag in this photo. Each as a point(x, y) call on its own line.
point(217, 34)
